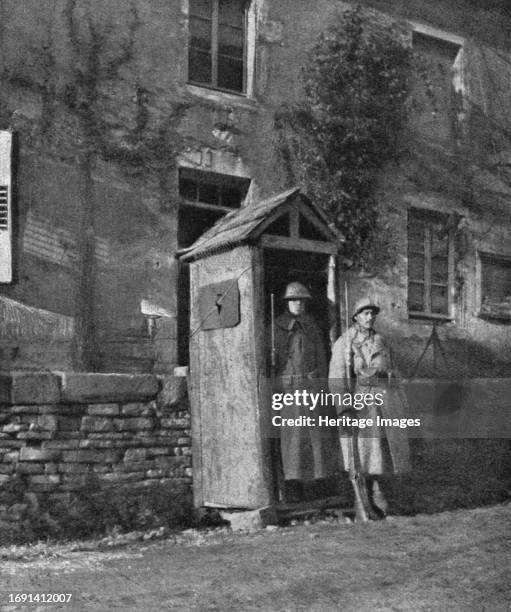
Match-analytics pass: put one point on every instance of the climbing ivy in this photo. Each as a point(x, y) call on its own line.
point(356, 82)
point(82, 124)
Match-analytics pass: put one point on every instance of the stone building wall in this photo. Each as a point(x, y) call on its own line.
point(466, 177)
point(97, 94)
point(61, 434)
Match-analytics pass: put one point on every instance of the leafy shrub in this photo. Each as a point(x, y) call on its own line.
point(356, 83)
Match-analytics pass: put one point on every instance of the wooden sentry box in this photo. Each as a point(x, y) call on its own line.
point(234, 268)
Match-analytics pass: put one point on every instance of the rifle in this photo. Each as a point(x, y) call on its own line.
point(275, 451)
point(363, 510)
point(273, 347)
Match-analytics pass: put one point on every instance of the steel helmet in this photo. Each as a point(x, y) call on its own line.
point(296, 291)
point(362, 304)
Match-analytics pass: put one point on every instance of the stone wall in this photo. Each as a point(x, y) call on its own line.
point(58, 432)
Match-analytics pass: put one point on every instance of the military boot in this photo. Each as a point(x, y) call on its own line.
point(376, 498)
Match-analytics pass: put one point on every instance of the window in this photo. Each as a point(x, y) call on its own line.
point(213, 189)
point(5, 207)
point(495, 286)
point(217, 44)
point(438, 89)
point(429, 256)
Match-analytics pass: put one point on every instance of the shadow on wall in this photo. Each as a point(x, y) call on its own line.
point(463, 358)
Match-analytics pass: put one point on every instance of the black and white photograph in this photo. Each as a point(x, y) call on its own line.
point(255, 305)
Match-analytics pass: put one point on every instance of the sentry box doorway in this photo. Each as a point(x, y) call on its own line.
point(234, 268)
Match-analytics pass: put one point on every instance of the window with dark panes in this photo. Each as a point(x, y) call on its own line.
point(429, 246)
point(211, 188)
point(495, 286)
point(217, 32)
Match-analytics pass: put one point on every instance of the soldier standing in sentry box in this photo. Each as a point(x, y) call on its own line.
point(308, 453)
point(361, 364)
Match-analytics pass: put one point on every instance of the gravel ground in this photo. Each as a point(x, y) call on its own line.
point(451, 561)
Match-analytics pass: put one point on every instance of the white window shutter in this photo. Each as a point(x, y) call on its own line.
point(5, 207)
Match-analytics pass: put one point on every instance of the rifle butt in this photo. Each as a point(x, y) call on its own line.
point(362, 508)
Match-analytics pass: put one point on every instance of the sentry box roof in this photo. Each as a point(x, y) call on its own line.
point(287, 220)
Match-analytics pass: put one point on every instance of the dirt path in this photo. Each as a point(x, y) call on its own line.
point(447, 562)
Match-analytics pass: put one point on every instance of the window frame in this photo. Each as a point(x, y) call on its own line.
point(247, 37)
point(458, 80)
point(200, 176)
point(433, 216)
point(490, 257)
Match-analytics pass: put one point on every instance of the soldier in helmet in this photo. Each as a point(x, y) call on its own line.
point(361, 364)
point(300, 358)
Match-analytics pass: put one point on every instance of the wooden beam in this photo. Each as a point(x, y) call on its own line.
point(195, 395)
point(298, 244)
point(294, 223)
point(203, 206)
point(426, 30)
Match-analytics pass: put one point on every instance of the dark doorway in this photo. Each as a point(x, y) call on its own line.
point(192, 223)
point(311, 269)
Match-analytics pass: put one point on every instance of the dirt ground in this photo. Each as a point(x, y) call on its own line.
point(451, 561)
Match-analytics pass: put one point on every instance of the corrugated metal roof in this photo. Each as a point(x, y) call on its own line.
point(239, 226)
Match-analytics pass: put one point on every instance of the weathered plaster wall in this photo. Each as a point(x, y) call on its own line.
point(488, 22)
point(95, 149)
point(473, 346)
point(429, 176)
point(97, 94)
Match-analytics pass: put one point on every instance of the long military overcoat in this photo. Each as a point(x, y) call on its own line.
point(301, 364)
point(360, 364)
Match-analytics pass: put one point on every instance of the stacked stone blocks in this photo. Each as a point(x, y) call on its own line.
point(61, 431)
